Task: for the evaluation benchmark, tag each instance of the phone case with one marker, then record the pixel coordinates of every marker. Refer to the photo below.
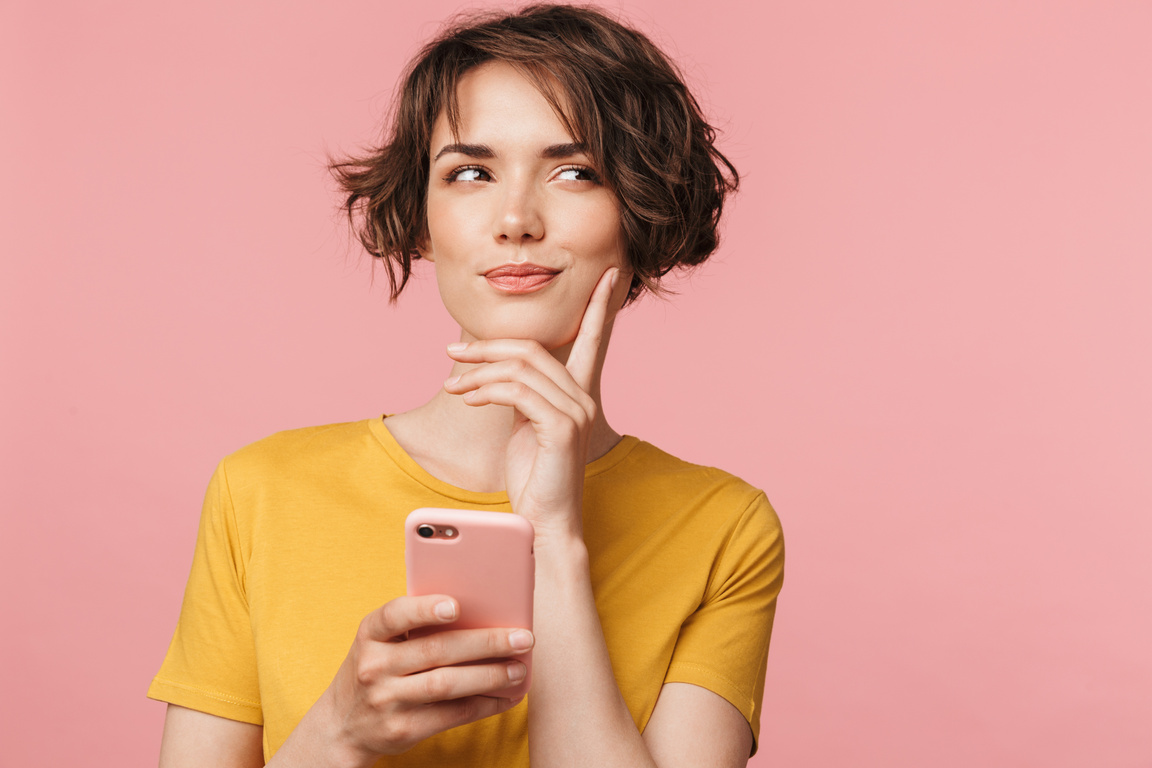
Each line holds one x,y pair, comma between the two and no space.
488,566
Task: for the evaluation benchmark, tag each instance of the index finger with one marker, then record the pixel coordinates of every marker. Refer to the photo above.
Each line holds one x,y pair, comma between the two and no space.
586,347
396,617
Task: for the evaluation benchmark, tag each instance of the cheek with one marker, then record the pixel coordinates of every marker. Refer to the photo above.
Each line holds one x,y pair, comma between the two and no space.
451,225
436,230
596,235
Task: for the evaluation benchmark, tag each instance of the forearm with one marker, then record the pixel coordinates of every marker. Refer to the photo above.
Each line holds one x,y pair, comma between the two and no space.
576,714
315,743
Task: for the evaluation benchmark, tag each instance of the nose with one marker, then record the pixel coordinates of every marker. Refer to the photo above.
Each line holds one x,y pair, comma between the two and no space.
519,217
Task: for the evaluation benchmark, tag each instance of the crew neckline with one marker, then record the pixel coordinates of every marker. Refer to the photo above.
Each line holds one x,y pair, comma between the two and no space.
614,456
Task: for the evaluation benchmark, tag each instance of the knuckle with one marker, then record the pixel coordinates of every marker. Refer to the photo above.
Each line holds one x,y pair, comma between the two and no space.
589,406
437,685
468,710
367,673
427,612
496,644
364,631
379,697
389,615
569,429
397,730
432,650
580,420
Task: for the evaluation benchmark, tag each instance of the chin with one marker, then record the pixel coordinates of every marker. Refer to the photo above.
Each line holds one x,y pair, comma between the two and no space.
552,323
548,338
550,335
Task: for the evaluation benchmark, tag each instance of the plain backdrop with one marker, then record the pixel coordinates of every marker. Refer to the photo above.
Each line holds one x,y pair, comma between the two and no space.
927,335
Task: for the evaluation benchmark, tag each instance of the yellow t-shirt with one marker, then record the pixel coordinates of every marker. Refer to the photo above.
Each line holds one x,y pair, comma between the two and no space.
302,536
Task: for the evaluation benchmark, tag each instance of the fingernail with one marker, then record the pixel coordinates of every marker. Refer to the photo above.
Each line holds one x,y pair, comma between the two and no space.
445,610
516,671
457,346
521,639
615,278
452,381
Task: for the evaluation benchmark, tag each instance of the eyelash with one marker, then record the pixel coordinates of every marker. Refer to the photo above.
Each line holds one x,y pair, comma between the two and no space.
592,176
451,177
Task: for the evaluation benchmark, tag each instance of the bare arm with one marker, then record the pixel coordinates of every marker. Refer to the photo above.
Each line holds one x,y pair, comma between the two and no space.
387,696
195,739
692,726
390,695
576,714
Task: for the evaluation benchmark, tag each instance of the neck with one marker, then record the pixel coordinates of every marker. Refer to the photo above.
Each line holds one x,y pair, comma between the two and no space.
465,445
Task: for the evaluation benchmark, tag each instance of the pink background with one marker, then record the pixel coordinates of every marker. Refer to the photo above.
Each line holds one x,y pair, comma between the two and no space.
927,336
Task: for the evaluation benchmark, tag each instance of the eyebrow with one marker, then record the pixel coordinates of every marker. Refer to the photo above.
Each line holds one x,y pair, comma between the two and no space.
485,152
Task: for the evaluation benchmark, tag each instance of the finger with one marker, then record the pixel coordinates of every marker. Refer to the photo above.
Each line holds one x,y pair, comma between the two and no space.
456,646
570,398
551,424
447,683
586,347
396,617
496,350
436,718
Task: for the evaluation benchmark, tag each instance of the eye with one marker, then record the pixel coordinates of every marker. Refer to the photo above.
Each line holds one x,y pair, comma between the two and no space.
578,173
468,173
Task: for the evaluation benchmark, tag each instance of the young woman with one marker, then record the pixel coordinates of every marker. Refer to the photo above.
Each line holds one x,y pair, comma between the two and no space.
552,165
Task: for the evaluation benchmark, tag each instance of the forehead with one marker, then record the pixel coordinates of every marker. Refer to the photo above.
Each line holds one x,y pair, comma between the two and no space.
497,103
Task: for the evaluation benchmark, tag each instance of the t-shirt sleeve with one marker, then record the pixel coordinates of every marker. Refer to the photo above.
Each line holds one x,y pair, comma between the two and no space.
211,663
723,646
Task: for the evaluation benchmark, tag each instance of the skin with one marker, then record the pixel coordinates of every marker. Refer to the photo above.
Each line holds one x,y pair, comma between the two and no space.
524,394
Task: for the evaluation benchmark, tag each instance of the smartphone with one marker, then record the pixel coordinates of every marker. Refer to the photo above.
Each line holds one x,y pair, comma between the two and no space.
484,560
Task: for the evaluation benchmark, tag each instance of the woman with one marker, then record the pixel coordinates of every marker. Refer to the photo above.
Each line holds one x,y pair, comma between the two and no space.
552,165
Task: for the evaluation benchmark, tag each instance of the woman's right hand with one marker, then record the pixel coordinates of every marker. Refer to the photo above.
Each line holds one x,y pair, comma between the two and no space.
391,693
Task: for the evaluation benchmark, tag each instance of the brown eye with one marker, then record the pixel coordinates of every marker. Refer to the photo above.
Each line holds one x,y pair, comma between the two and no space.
470,173
578,173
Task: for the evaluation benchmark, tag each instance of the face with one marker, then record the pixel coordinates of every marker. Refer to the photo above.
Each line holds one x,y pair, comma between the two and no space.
520,227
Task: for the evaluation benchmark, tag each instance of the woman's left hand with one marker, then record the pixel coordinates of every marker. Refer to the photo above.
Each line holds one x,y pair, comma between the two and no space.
555,413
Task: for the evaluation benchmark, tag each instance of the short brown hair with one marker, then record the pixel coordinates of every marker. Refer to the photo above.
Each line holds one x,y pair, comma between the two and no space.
615,92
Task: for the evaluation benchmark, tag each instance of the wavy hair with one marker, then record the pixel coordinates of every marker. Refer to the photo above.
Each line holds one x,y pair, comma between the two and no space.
615,92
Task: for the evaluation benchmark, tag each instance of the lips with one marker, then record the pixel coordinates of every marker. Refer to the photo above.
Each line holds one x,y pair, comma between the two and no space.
520,278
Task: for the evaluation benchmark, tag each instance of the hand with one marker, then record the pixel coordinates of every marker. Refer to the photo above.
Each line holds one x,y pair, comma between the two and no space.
544,466
391,693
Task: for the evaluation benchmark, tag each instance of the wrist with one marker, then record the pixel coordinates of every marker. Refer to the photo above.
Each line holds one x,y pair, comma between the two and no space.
560,553
558,528
320,739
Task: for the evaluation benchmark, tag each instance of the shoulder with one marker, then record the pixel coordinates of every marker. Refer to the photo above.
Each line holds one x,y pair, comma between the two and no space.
718,521
292,451
291,479
648,492
650,470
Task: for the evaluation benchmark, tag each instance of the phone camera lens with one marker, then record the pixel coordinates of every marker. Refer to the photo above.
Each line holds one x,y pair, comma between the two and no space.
425,531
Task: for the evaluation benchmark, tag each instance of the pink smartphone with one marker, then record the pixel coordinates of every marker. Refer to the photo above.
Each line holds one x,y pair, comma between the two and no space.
484,560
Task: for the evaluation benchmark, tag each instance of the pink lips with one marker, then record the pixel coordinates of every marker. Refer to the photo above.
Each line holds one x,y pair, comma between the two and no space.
520,278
